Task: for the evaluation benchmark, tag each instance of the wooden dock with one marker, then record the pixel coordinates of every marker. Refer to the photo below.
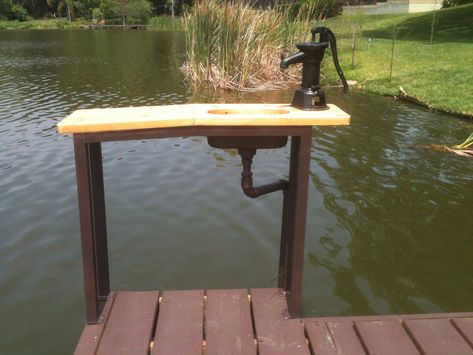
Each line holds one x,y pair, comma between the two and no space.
117,27
257,321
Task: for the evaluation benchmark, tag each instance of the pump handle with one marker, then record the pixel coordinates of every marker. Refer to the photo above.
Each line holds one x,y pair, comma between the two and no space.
326,35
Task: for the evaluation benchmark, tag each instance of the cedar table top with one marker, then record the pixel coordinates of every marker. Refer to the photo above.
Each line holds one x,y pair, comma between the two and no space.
150,117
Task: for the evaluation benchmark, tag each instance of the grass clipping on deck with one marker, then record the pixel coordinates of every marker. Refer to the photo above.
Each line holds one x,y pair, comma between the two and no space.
231,45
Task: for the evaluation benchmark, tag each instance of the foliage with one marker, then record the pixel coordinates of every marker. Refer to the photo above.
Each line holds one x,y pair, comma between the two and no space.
12,11
42,24
18,12
317,9
166,23
34,8
108,8
132,10
97,14
138,11
85,7
161,7
452,3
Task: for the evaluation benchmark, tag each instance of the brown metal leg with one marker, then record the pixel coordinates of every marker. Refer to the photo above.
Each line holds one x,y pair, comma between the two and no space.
294,222
100,225
284,240
92,222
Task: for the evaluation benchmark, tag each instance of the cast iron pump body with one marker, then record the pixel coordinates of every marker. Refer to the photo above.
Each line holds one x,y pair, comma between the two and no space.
310,96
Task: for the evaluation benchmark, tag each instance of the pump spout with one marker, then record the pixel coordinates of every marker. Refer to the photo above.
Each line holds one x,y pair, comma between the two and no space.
292,59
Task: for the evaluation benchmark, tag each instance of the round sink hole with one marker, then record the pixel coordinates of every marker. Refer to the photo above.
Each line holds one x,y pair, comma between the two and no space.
248,112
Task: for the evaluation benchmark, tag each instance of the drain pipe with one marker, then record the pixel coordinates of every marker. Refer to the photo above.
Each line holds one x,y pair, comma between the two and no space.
247,177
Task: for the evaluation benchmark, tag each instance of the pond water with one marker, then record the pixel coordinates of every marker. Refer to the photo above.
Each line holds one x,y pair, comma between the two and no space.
390,226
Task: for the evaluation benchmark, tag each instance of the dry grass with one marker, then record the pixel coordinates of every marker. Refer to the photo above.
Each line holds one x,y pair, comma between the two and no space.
234,46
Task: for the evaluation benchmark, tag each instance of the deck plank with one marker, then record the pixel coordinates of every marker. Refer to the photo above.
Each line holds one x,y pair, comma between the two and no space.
392,317
438,337
179,330
228,325
92,333
465,326
385,337
130,324
275,332
334,338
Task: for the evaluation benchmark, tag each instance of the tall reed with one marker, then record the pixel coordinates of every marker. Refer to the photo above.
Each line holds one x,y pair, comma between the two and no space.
232,45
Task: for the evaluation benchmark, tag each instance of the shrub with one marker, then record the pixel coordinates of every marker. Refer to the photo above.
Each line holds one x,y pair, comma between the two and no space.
12,11
452,3
18,13
108,9
85,7
97,14
139,11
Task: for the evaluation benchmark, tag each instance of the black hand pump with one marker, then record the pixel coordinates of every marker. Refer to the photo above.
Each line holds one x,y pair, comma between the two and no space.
310,95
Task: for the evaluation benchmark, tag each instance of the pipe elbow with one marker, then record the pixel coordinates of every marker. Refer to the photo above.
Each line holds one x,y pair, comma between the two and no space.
247,177
254,192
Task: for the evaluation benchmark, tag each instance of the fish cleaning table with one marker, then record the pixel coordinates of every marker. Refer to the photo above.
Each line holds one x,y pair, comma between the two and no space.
247,127
242,321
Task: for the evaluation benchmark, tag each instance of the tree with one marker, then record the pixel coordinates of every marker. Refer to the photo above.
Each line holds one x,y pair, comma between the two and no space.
108,8
12,11
60,5
121,4
167,7
139,10
34,8
136,10
171,5
85,7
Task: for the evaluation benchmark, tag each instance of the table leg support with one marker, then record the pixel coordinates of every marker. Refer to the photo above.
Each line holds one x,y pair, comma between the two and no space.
291,261
93,226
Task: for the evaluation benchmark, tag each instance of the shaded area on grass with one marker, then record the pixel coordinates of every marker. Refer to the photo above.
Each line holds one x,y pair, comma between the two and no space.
451,25
438,74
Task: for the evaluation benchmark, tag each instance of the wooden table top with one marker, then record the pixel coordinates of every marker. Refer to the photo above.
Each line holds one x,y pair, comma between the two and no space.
148,117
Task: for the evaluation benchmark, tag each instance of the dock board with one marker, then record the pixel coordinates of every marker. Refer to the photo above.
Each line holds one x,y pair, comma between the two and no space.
256,321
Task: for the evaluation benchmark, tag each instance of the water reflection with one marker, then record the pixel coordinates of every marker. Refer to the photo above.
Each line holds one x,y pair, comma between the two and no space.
396,204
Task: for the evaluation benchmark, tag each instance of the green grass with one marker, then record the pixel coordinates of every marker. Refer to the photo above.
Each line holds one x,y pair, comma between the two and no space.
166,23
41,24
162,23
438,74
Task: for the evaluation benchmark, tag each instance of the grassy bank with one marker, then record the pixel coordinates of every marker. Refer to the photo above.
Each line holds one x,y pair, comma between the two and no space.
230,47
160,23
438,74
42,24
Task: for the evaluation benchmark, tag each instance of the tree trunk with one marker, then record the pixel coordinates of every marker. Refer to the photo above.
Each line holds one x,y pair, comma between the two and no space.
68,12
